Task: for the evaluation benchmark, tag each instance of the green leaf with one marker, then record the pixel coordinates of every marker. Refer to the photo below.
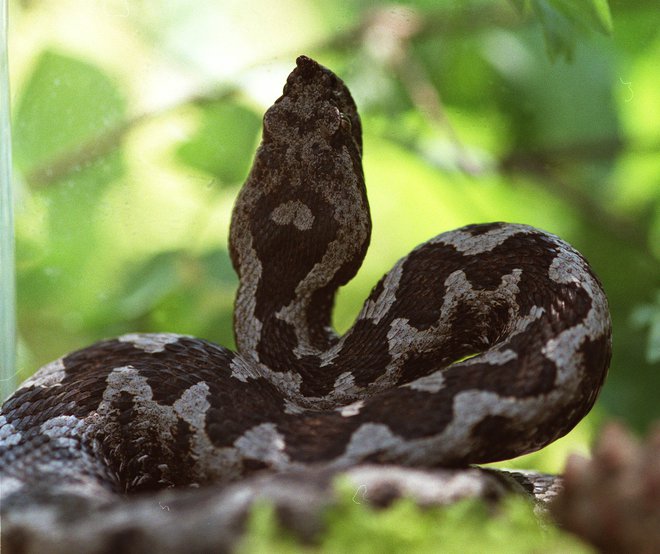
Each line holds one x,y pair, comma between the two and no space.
224,144
594,14
217,265
148,283
520,5
65,103
563,20
648,315
558,31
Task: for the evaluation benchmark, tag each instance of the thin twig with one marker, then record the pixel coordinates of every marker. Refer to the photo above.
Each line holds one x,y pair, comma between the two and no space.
83,154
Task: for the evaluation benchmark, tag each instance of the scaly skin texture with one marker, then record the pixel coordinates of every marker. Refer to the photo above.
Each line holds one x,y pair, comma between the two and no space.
145,412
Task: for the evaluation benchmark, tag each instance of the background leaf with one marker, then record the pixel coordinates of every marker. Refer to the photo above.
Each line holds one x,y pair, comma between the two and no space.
564,22
224,143
591,13
64,103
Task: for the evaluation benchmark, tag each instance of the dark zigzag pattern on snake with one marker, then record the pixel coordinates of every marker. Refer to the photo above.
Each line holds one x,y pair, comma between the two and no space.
148,411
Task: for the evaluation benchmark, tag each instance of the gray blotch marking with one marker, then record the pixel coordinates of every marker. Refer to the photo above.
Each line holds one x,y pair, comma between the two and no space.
9,436
344,382
68,461
432,383
288,382
247,325
150,342
244,370
378,308
49,375
65,431
351,409
563,351
368,439
263,442
128,379
344,391
352,232
292,408
215,464
402,336
492,357
535,312
193,405
455,440
293,212
472,406
446,487
466,243
10,485
569,267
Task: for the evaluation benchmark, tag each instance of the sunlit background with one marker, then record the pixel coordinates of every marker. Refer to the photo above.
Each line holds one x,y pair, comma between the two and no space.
135,123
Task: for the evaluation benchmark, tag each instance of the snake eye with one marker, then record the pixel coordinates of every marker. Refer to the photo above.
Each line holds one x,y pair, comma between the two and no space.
345,122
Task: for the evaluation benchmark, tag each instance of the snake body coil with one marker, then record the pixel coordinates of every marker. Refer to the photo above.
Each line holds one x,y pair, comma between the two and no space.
483,343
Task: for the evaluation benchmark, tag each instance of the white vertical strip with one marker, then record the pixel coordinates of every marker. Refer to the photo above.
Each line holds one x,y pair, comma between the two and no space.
7,277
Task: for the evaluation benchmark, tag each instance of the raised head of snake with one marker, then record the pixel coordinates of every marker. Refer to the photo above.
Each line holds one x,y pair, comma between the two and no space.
301,223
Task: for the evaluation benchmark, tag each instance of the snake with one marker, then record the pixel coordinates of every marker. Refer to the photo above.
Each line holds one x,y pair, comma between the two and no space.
483,343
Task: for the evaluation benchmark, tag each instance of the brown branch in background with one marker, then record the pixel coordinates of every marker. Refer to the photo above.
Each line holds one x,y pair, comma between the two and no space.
388,38
603,149
61,166
447,22
427,100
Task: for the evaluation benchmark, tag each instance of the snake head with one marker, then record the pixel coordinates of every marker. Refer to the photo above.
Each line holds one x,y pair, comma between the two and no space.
314,100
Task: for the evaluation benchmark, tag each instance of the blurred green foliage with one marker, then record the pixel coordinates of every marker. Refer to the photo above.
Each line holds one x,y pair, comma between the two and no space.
134,125
468,527
561,20
224,143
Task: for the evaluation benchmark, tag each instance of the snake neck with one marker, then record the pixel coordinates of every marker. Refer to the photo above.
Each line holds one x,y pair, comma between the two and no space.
301,224
293,245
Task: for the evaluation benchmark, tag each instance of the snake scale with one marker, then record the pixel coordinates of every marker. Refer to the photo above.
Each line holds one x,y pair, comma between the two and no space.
483,343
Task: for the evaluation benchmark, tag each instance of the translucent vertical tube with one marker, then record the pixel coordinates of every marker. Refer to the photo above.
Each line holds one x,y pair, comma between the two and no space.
7,279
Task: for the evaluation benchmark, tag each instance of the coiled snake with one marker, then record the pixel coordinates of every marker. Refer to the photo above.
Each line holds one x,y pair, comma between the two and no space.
483,343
